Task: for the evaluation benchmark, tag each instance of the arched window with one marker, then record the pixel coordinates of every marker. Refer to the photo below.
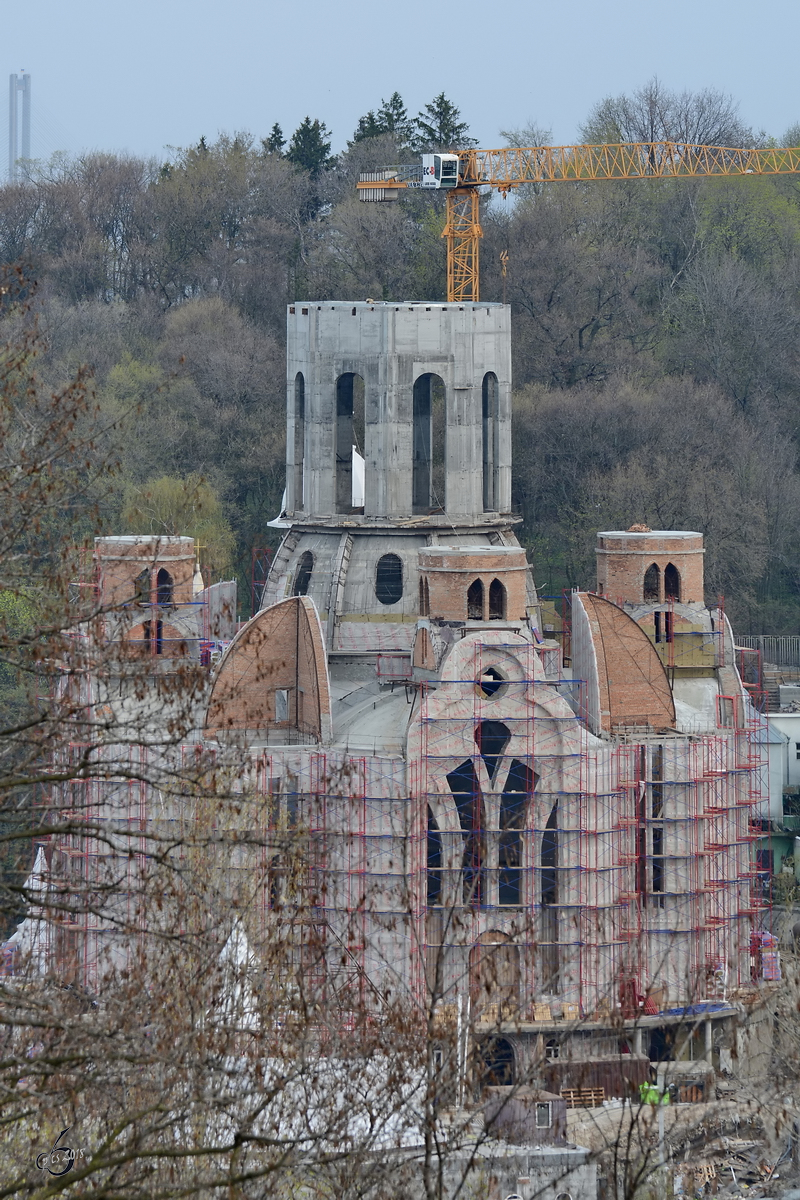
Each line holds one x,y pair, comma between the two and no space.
434,861
491,738
652,583
427,599
463,783
672,582
142,587
513,807
299,439
497,601
164,588
491,434
548,881
424,600
475,601
302,577
389,579
349,435
427,486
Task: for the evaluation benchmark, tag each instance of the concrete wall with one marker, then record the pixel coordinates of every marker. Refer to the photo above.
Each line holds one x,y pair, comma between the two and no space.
390,347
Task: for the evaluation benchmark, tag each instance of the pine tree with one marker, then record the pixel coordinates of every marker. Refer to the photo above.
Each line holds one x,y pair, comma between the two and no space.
393,118
275,142
438,127
309,149
368,126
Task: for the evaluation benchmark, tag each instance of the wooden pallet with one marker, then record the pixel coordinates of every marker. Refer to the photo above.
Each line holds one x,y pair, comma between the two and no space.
584,1097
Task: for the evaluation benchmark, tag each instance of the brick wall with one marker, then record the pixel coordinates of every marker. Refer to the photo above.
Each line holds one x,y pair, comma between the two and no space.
623,559
447,574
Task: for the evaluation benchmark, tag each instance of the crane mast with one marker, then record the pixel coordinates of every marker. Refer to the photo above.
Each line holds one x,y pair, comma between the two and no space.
463,173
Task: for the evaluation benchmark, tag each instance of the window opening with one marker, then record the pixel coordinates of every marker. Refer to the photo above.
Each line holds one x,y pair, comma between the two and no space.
552,1050
282,704
299,440
427,598
672,582
463,784
657,810
669,626
349,434
491,436
389,579
164,588
652,582
549,858
302,579
142,587
495,1063
548,875
497,601
490,682
428,444
797,751
434,861
543,1118
491,738
657,623
513,807
475,601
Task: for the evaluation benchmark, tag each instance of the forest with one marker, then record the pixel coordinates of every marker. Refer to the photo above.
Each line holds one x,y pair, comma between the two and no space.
655,330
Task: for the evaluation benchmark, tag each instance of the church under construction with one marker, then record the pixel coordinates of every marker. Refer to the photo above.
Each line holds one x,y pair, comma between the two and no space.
548,829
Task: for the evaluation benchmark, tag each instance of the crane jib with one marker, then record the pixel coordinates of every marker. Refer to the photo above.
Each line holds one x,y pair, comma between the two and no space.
462,173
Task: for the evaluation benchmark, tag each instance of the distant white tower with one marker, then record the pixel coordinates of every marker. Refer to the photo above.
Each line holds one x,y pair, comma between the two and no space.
17,84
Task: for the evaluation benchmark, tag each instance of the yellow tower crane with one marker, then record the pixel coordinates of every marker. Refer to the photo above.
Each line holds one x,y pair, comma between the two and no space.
464,172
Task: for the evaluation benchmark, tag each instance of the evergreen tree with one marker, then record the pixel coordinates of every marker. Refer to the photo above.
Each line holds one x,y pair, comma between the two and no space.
438,127
393,118
368,126
275,142
309,148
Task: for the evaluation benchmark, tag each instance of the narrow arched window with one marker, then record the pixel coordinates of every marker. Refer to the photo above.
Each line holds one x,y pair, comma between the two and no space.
350,433
389,579
302,579
428,439
299,439
513,804
434,861
427,598
672,582
142,587
491,434
475,601
497,601
652,583
164,588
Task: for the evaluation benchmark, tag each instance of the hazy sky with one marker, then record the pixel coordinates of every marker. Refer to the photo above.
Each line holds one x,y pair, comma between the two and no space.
142,76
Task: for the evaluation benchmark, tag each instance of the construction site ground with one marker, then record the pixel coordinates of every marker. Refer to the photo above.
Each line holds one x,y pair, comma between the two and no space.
738,1145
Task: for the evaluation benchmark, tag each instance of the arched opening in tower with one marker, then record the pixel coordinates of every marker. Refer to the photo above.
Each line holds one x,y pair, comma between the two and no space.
475,601
491,437
299,440
349,435
428,444
652,583
672,582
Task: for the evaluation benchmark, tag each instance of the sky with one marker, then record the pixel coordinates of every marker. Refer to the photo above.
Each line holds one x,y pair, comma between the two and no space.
140,78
